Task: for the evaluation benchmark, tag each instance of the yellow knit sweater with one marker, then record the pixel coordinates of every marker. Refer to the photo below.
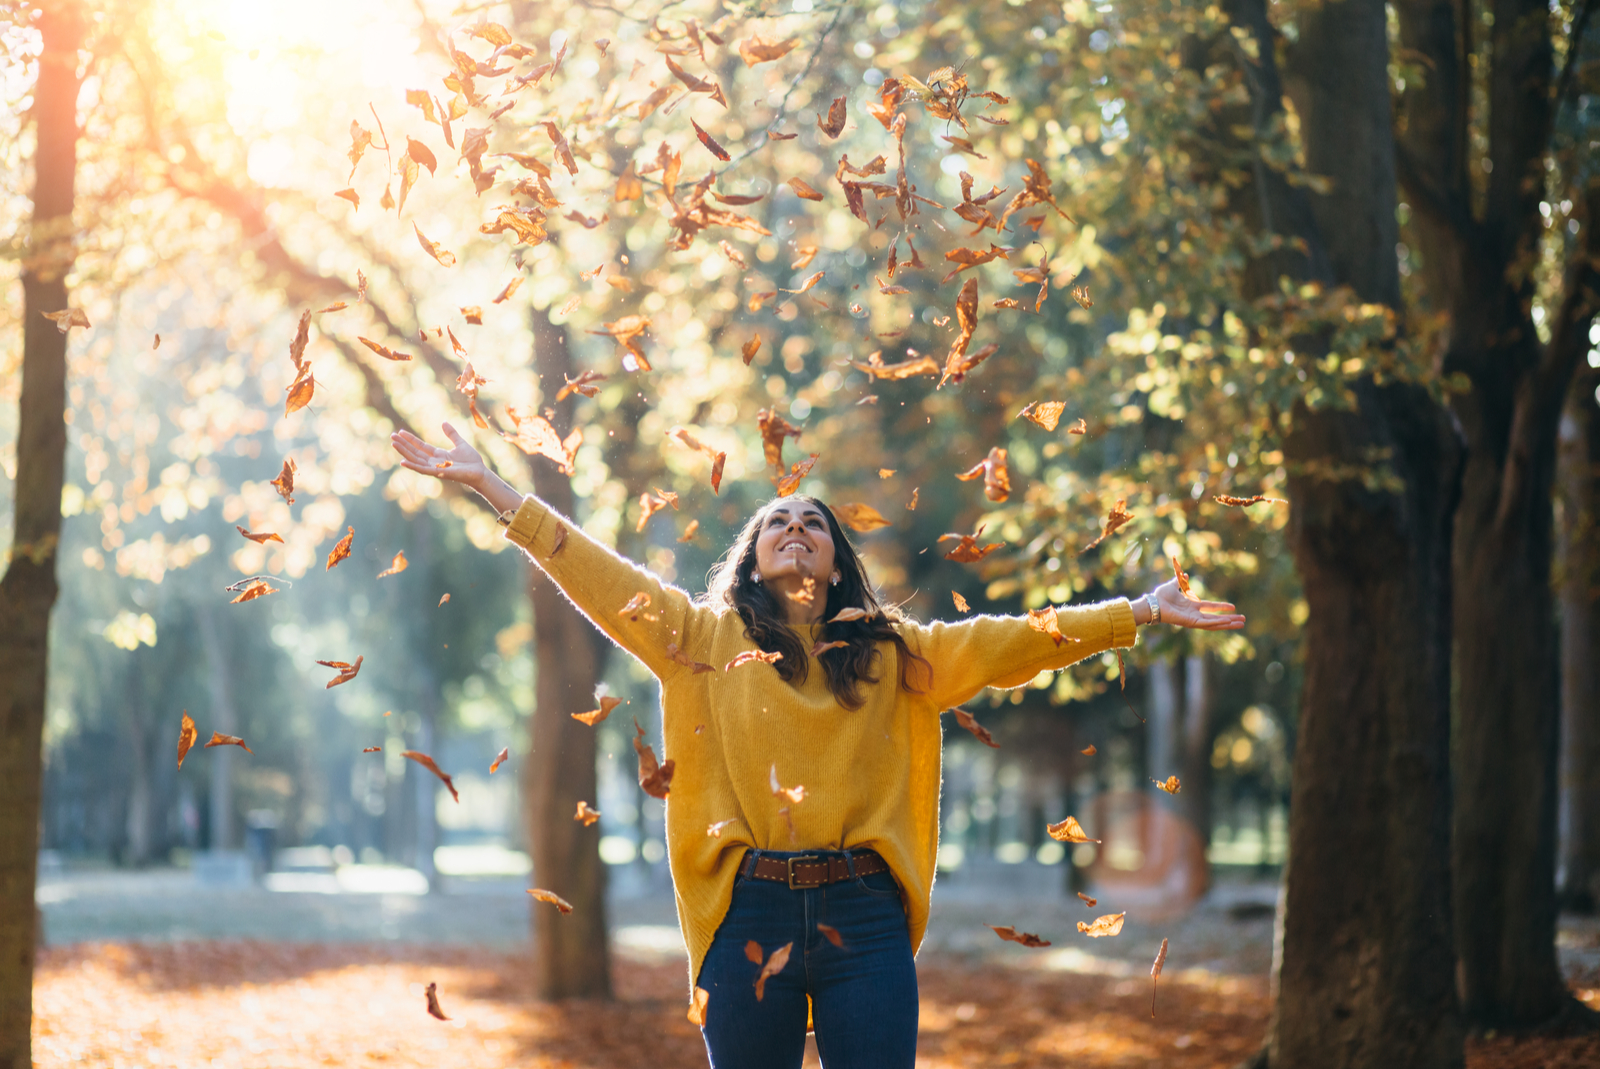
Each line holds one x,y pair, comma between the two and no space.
871,774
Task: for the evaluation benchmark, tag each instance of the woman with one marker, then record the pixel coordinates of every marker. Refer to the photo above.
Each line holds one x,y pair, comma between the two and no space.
842,871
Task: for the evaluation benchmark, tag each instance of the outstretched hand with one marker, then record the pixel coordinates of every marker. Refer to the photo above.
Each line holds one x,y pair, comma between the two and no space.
1181,610
460,464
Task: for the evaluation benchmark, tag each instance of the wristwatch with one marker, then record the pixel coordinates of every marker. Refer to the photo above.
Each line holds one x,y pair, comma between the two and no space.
1155,608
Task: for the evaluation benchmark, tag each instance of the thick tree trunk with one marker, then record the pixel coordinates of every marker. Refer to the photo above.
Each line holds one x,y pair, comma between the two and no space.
28,588
571,951
1579,556
1199,731
224,718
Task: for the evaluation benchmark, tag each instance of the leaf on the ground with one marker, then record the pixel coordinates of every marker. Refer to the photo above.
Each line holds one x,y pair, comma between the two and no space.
752,656
773,967
794,795
284,483
1088,902
219,739
427,762
1155,974
552,898
710,142
1011,935
961,602
434,1009
1117,518
859,517
966,550
655,779
995,472
979,732
347,670
258,536
1046,414
1069,831
802,190
341,549
594,716
187,734
831,934
396,566
499,759
1170,784
757,49
1110,924
697,1007
383,350
585,815
789,483
833,125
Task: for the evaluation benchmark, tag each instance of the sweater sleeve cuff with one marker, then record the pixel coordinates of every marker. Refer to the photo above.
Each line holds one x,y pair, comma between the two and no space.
528,523
1124,632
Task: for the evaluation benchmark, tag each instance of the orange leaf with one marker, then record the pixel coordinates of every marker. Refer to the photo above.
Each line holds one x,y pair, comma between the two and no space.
1243,502
284,483
583,384
442,601
757,49
654,779
697,1007
1117,518
341,550
563,150
773,967
710,142
1010,934
1046,414
299,391
396,566
967,550
1155,974
586,815
1089,750
1087,901
1110,924
186,737
996,475
427,762
808,283
859,517
219,739
831,934
594,716
347,670
1170,784
961,602
690,531
791,482
803,191
552,898
979,732
383,350
251,589
1069,831
433,1003
847,615
833,125
920,364
752,656
749,349
1080,427
259,537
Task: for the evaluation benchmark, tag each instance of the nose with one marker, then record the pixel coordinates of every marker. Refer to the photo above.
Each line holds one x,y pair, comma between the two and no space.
795,526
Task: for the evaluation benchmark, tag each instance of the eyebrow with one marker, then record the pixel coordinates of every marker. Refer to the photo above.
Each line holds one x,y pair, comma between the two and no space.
810,512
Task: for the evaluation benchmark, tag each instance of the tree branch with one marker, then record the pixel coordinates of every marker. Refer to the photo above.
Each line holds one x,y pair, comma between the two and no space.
1574,46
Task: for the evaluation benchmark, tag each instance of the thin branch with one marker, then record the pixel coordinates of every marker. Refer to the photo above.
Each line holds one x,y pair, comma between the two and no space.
783,105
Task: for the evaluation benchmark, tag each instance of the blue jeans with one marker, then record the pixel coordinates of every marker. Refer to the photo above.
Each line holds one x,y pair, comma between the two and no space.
863,995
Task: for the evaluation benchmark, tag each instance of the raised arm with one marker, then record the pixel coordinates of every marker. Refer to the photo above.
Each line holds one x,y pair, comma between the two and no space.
597,580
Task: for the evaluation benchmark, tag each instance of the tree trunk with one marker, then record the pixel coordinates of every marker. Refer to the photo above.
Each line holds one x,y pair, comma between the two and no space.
1579,557
1163,731
28,588
138,820
1199,731
571,952
225,718
1364,979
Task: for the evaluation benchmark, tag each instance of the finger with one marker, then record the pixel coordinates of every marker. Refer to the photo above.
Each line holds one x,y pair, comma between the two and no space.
420,469
451,433
1214,606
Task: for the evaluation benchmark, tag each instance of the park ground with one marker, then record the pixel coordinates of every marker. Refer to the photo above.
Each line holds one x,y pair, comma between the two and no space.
153,970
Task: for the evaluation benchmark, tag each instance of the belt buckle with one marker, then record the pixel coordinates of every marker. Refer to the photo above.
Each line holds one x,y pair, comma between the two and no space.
813,860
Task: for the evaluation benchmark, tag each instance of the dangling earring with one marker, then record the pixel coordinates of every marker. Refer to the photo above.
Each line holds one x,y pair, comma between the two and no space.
835,580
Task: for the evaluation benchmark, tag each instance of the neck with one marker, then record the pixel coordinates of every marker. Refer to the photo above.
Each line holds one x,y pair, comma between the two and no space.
796,612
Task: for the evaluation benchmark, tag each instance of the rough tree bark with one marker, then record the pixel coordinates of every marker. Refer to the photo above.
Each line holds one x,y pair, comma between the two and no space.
1366,936
571,952
1579,557
28,588
1479,270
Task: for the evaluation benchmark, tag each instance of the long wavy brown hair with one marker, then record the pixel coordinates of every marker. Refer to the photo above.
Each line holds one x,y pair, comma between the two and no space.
848,666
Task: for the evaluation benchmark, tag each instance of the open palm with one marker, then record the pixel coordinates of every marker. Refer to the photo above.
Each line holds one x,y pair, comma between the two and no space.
460,464
1181,610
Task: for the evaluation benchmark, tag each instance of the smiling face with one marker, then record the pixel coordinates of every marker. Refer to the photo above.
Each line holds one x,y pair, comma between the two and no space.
794,541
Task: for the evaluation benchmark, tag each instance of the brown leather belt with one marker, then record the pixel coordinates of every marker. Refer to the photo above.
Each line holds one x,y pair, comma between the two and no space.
803,873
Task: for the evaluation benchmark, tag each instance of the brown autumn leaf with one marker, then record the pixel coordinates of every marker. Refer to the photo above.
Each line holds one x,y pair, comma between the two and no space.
635,607
552,898
961,602
1087,901
1245,502
442,601
739,200
186,737
831,934
558,540
1155,974
563,150
409,173
802,190
594,716
284,483
302,338
350,195
1046,414
1080,427
833,125
372,749
536,437
690,531
789,483
347,670
716,472
1089,750
759,299
697,1007
794,795
753,952
499,759
341,549
911,506
773,429
757,49
383,350
396,566
773,967
1117,518
859,517
1045,620
1183,579
1007,302
473,314
251,589
1081,295
884,473
959,362
1110,924
584,384
820,647
996,475
1069,831
967,550
434,249
258,537
1010,934
300,390
1170,784
510,288
629,187
919,364
219,739
852,613
427,762
68,318
979,732
803,257
434,1009
808,283
649,505
749,349
625,332
654,779
586,816
751,656
710,142
966,258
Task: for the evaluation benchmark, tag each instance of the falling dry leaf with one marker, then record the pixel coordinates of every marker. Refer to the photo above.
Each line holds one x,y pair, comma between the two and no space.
1110,924
654,779
710,142
757,49
996,475
433,1003
68,318
284,483
919,364
749,349
346,669
499,759
427,762
1244,502
219,739
802,190
833,125
690,531
511,288
1170,784
594,716
1115,519
1087,901
372,749
1010,934
1155,974
583,384
636,606
585,815
186,737
808,283
884,473
341,550
1089,750
979,732
831,934
697,1007
1069,831
300,391
846,615
383,350
1046,414
789,483
473,314
794,795
443,600
1045,620
1182,577
715,830
1080,427
967,550
552,898
859,517
773,967
751,656
961,602
396,566
251,589
911,506
1081,295
820,647
258,536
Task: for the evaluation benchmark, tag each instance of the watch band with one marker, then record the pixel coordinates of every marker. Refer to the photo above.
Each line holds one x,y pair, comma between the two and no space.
1155,608
505,518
